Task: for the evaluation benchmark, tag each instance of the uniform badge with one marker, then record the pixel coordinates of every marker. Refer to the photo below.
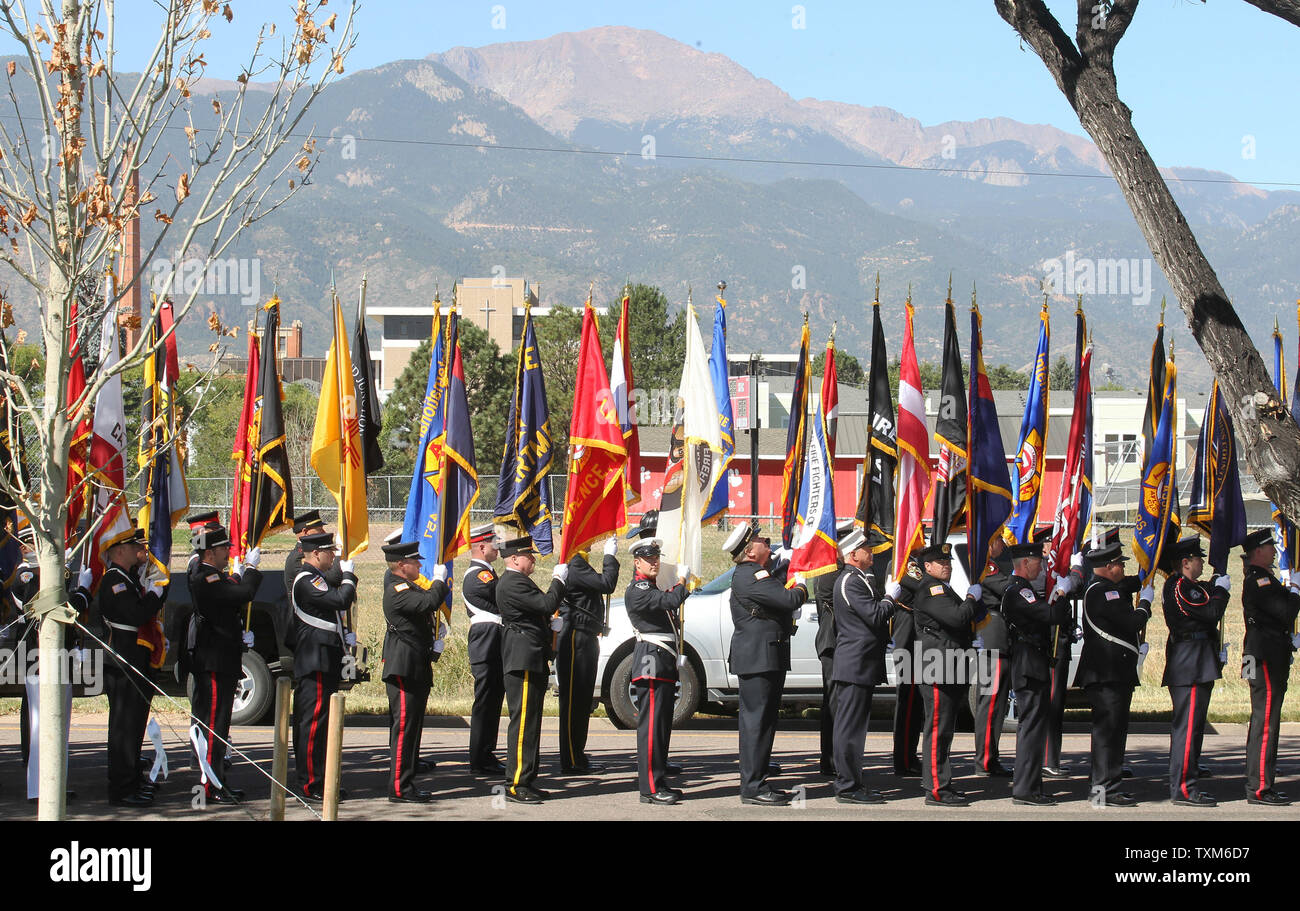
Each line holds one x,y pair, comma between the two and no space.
761,574
212,577
119,588
485,575
401,587
1030,597
25,577
643,585
1112,596
1263,580
936,589
320,584
913,571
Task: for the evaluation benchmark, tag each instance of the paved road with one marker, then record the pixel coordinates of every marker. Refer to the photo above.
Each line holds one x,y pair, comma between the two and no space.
707,750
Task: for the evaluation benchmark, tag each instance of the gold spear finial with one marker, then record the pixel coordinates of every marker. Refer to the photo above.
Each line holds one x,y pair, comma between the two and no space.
878,288
949,287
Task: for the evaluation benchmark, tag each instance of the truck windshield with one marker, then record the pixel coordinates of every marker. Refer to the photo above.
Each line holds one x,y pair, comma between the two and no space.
721,584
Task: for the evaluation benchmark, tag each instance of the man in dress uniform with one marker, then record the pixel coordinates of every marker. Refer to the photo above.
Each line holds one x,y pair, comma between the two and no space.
995,643
217,640
125,605
321,640
861,635
309,523
908,714
1193,662
654,617
1108,666
824,592
943,622
479,592
525,656
583,613
410,612
1032,621
763,613
1270,607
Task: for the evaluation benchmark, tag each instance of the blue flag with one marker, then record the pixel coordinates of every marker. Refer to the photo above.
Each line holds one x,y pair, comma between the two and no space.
524,488
1217,508
423,505
988,483
1032,445
460,475
1156,504
721,497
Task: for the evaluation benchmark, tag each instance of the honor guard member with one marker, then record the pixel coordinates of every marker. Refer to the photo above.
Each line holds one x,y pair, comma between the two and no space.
309,523
1108,666
654,616
1193,661
943,623
824,593
908,714
1032,621
995,643
861,634
195,523
217,641
763,613
1060,670
525,655
410,612
583,613
320,641
479,592
1270,607
125,605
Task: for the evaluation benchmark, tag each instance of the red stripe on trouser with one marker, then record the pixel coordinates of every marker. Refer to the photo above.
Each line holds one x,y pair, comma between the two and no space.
993,704
934,745
212,722
401,738
311,736
1187,746
1263,743
650,747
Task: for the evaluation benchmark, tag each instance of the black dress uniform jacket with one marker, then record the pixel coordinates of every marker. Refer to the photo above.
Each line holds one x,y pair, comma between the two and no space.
479,589
653,611
1270,609
526,614
943,620
1031,618
1109,615
1192,611
219,602
584,590
861,629
122,599
994,632
824,588
761,611
409,611
320,650
293,566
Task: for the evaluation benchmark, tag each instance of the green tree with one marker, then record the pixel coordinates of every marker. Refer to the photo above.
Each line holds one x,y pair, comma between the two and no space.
1004,377
847,368
1062,379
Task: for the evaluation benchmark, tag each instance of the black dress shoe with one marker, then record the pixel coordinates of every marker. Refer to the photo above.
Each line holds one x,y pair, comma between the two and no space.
415,795
131,800
1204,772
1269,799
225,795
1034,800
773,768
319,796
1126,773
1055,772
826,771
909,772
997,771
1122,799
524,794
767,799
498,769
859,796
663,798
424,766
947,800
587,769
1200,799
671,769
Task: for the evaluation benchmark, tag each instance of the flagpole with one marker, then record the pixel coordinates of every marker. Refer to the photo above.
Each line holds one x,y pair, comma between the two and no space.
344,616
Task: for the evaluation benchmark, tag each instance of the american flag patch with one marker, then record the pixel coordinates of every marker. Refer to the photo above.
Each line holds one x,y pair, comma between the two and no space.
401,587
761,574
936,589
1263,580
213,577
1112,596
119,588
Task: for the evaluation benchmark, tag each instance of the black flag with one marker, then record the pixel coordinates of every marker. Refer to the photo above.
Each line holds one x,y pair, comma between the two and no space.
950,432
875,513
272,488
369,418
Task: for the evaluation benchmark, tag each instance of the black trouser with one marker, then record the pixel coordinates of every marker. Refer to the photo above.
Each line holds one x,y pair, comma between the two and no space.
575,670
827,718
991,710
128,716
214,700
909,720
1110,707
852,713
655,698
524,692
406,704
1190,703
760,702
311,714
1051,754
941,702
1033,708
485,716
1266,694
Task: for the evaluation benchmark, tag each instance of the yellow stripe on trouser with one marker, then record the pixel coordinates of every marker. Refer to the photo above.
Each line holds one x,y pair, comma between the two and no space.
523,726
568,721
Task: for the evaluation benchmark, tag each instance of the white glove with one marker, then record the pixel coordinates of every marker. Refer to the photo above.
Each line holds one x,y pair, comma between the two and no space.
557,623
236,568
560,573
156,589
1063,587
796,614
683,572
440,572
349,638
1223,654
1224,582
253,557
782,553
893,590
611,546
976,591
248,638
1142,655
800,580
442,630
438,646
1076,560
347,566
1295,641
1295,578
1148,594
84,578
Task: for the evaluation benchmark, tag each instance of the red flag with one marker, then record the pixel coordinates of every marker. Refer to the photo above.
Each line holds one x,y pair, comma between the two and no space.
593,504
830,400
77,495
913,453
245,443
1076,485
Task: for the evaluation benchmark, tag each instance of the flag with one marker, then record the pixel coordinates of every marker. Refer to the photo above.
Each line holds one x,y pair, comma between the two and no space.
460,475
78,493
1216,506
815,548
1032,445
10,465
524,488
423,505
1286,536
796,444
913,453
950,434
336,442
594,506
1075,499
369,416
682,513
1151,416
166,498
621,385
875,512
720,498
107,445
830,401
1155,523
1084,492
245,454
270,486
988,483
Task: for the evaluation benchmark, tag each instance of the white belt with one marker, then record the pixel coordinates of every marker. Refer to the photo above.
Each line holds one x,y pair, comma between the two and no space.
479,615
317,621
1107,636
122,626
665,641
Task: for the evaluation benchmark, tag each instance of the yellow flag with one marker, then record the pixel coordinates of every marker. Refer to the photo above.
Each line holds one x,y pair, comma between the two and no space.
336,442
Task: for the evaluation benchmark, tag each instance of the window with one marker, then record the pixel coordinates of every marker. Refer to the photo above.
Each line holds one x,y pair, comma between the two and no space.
1121,447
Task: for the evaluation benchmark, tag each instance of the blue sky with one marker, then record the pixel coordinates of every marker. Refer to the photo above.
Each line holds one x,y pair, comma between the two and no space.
1199,77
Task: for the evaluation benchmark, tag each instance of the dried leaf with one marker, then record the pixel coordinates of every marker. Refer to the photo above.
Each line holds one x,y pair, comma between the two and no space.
39,34
11,67
226,12
304,164
158,215
213,347
30,215
191,133
183,186
216,107
129,321
214,323
338,64
291,183
233,332
329,23
97,69
6,315
242,78
20,337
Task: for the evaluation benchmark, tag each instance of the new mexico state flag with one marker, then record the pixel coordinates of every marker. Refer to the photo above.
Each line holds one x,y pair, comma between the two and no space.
336,443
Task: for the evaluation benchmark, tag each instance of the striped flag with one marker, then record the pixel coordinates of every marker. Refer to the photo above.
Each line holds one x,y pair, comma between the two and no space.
796,443
107,445
815,549
913,453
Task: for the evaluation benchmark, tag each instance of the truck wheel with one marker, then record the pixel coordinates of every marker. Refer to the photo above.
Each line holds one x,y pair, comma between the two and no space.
622,710
688,695
255,691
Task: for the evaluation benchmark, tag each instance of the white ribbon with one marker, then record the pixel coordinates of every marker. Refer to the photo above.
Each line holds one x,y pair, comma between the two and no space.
154,733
